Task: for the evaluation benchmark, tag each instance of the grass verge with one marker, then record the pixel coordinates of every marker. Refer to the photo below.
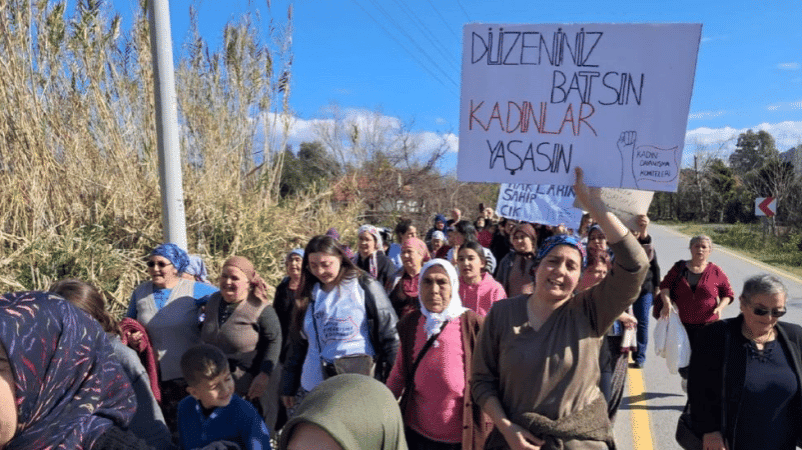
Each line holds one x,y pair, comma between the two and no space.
748,239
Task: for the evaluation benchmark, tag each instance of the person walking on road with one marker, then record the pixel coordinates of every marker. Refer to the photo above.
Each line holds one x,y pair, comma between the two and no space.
642,306
699,289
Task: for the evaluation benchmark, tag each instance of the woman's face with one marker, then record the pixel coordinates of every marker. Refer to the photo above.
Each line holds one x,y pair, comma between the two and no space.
760,325
162,272
455,239
325,267
367,244
522,243
436,244
470,264
558,273
412,232
701,249
412,260
293,266
435,289
597,241
307,436
8,403
234,286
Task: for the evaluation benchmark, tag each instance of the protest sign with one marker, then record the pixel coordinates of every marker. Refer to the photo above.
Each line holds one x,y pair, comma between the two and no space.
627,204
549,205
539,100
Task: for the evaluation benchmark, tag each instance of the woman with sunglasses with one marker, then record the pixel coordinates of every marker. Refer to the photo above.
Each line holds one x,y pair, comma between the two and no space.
758,403
169,306
699,289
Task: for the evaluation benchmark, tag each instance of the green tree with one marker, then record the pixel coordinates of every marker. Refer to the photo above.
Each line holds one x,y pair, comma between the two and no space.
752,151
313,165
317,162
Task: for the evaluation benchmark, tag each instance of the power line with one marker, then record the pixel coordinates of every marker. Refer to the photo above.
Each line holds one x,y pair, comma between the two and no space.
421,51
463,11
443,19
435,42
401,44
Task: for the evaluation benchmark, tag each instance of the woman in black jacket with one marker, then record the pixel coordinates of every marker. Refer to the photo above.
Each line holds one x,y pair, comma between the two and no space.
758,403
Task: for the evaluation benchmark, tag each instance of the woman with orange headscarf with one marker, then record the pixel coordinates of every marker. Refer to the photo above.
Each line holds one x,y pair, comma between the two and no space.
242,323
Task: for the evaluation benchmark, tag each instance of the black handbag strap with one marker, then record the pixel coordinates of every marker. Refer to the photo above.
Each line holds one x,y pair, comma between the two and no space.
410,381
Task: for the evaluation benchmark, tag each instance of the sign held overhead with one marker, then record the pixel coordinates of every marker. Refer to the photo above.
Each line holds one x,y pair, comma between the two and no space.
539,100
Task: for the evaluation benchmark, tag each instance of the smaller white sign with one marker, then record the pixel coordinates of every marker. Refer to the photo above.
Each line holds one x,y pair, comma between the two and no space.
627,204
538,203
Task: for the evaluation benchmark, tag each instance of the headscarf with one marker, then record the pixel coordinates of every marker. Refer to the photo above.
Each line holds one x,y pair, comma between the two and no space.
257,284
197,268
357,411
373,231
454,309
560,239
440,218
438,235
296,251
596,227
177,256
69,389
333,233
417,244
529,231
411,286
373,265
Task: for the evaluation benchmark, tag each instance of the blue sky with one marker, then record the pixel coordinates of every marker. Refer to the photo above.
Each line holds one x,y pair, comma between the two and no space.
402,57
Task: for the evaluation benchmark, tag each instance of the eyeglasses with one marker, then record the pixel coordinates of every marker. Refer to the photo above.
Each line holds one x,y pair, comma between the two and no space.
773,312
161,264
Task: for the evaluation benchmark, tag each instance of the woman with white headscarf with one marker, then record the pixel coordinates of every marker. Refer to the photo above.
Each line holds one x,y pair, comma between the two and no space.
434,364
370,255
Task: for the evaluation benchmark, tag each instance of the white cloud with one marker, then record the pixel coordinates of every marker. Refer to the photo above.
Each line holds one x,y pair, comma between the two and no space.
307,130
786,135
789,66
784,106
707,39
717,141
706,114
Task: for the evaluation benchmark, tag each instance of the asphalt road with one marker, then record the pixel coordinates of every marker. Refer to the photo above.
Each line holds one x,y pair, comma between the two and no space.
654,398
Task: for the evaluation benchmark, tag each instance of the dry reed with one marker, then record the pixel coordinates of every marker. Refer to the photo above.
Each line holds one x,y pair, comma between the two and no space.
79,193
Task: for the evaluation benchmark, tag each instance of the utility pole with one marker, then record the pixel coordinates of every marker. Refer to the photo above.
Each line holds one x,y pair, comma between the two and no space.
170,178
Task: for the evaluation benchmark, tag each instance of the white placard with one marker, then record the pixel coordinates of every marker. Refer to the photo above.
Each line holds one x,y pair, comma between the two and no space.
549,205
627,204
539,100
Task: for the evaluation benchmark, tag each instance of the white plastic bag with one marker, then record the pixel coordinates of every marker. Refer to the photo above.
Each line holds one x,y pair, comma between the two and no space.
660,332
678,347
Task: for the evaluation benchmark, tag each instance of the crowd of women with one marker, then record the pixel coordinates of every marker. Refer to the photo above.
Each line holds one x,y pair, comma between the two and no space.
485,335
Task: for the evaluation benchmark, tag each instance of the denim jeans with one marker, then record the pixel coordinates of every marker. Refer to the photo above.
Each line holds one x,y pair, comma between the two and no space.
641,309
